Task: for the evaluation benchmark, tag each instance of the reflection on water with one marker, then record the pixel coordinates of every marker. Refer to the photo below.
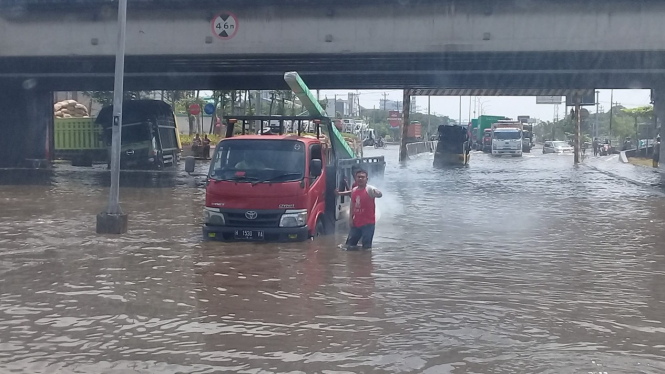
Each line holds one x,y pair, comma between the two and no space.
508,266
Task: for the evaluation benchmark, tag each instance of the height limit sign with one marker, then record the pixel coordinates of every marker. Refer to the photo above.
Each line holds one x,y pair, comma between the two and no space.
225,25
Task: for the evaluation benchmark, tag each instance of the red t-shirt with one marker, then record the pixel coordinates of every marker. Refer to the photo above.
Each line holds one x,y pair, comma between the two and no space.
363,208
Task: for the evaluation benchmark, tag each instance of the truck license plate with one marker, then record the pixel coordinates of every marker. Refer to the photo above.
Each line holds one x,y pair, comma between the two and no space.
249,235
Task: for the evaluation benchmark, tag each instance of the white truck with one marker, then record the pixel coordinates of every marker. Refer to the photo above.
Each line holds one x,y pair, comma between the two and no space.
507,138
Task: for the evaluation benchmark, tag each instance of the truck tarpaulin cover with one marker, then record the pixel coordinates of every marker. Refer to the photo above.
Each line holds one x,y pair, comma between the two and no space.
135,111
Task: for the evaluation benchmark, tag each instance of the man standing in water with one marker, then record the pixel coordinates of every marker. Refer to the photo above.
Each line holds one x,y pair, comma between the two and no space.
363,212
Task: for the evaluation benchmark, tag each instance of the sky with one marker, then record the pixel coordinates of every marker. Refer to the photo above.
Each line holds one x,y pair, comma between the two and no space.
508,106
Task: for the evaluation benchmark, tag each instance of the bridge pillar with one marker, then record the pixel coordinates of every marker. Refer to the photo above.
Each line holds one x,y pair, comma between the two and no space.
658,99
26,122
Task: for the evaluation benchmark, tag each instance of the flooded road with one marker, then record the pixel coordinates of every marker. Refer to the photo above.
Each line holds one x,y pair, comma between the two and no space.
509,266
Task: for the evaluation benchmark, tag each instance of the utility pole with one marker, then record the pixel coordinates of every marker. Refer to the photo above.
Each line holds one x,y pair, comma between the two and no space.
335,107
578,126
595,125
611,111
429,119
460,110
385,96
113,221
403,156
470,118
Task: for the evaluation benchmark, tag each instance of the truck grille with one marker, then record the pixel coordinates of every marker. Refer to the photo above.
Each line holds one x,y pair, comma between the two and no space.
262,219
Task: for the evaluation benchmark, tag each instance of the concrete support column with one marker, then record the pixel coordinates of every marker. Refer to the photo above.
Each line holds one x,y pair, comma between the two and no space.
39,126
12,122
26,126
658,98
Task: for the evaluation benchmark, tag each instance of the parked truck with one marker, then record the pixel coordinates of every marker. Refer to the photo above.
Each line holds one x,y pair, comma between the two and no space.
507,138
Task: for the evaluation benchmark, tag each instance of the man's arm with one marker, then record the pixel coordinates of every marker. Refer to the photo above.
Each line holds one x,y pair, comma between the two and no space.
343,193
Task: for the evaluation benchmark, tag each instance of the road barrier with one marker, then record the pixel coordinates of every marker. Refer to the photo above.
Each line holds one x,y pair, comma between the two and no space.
413,149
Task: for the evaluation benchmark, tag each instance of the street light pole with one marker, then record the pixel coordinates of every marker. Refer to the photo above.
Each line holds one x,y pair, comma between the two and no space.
113,221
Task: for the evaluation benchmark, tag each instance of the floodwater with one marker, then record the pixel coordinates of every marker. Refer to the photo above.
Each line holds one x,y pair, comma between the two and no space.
508,266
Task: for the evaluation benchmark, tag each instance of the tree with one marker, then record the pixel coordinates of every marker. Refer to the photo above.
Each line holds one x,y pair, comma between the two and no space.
105,98
644,112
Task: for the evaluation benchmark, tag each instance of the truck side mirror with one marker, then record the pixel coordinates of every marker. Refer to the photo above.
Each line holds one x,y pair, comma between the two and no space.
190,163
315,167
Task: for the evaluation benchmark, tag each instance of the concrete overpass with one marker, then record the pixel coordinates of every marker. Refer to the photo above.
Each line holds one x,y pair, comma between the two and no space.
452,44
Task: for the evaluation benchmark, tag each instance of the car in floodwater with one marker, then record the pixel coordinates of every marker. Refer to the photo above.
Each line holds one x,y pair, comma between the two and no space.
557,147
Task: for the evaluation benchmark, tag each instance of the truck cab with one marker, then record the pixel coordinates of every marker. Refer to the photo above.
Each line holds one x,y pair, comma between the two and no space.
150,138
276,187
507,139
527,138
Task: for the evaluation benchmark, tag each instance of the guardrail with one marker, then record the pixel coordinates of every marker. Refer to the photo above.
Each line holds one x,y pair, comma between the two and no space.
413,149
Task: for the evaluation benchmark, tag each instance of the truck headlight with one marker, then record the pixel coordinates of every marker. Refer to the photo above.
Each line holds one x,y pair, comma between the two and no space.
213,217
293,218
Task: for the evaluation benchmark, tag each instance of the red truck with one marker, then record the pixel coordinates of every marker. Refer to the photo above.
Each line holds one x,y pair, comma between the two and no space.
487,141
413,132
276,186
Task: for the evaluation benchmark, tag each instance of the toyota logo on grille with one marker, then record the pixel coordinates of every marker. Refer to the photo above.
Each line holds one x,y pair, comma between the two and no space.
250,214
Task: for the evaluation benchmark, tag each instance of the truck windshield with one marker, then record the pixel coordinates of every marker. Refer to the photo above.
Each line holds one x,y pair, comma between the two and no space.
131,133
507,135
258,160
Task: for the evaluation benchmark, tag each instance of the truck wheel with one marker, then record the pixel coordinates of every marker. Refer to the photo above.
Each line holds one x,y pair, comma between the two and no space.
319,230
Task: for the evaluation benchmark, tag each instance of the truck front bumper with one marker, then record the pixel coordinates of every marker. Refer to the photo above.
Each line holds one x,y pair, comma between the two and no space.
501,152
270,234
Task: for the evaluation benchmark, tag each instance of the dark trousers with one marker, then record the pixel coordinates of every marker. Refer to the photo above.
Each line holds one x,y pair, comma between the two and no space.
366,233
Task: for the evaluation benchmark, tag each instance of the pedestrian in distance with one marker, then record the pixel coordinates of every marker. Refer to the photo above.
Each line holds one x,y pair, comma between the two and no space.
656,152
206,147
363,212
595,146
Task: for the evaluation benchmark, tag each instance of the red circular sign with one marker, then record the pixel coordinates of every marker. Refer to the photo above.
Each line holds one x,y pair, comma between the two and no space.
225,25
195,109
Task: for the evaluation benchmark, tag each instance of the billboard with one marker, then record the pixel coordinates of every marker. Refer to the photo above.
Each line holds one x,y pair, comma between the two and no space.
548,100
394,118
523,119
589,99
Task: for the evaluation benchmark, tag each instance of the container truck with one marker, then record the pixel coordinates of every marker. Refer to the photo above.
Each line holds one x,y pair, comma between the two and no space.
485,122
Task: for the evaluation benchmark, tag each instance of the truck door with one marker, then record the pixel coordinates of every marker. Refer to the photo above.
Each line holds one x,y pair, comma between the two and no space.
317,185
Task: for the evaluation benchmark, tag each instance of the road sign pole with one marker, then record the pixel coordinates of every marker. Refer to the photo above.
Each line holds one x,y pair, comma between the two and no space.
113,221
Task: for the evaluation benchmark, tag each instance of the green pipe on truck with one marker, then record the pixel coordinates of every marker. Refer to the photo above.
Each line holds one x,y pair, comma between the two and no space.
312,105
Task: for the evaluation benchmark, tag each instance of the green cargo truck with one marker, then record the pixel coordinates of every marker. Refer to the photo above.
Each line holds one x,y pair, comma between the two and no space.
79,140
484,123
